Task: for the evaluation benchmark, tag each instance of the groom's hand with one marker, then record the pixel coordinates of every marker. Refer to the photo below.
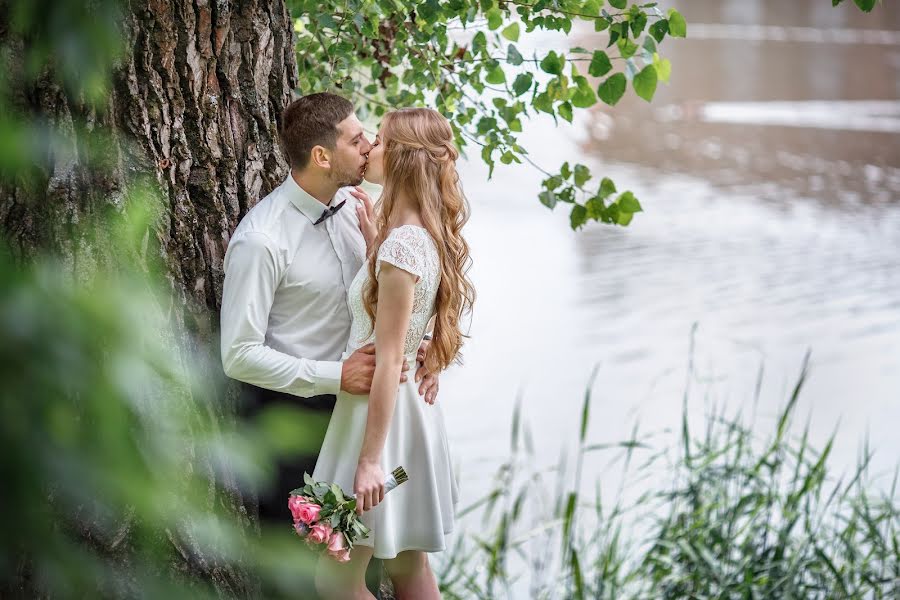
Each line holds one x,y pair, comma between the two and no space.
358,370
428,382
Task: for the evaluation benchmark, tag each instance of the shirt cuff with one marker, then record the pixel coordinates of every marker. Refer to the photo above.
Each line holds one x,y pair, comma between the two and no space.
327,379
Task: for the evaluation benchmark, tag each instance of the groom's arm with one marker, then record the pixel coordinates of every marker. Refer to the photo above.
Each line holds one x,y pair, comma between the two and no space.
252,273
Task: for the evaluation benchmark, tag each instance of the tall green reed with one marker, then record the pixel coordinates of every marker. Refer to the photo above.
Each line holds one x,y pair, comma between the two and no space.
723,512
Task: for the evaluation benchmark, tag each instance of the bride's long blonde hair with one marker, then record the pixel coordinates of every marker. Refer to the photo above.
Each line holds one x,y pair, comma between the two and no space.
420,162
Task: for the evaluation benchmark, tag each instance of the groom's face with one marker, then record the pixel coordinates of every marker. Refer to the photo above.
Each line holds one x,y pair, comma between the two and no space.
348,164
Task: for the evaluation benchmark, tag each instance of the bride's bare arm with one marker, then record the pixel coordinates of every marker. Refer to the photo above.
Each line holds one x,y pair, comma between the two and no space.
395,303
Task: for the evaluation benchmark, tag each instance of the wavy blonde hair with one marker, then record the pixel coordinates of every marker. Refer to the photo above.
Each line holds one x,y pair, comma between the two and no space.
420,162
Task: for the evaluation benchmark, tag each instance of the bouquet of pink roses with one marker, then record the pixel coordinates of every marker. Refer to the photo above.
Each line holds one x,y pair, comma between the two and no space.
325,516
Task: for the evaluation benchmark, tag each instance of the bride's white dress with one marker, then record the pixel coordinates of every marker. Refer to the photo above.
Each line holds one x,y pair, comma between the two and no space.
418,514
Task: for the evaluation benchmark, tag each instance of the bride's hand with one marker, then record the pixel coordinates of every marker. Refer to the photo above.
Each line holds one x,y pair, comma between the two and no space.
368,485
366,212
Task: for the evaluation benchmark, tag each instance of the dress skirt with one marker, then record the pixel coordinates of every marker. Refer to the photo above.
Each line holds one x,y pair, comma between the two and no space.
418,514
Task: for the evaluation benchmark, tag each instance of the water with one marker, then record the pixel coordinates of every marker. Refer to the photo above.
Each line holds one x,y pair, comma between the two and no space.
769,170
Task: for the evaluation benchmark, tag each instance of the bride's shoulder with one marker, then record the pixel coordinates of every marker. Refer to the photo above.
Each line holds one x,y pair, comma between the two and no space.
410,234
410,247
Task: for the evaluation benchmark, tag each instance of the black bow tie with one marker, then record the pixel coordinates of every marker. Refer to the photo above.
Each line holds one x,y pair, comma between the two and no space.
330,212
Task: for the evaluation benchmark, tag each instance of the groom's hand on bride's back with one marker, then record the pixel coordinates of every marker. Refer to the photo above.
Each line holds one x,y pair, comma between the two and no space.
428,388
358,370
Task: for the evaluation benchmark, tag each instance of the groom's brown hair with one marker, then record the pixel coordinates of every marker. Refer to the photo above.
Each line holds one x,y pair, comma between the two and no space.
311,121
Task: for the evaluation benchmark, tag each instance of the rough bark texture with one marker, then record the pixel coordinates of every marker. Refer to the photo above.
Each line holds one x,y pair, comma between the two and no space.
194,105
193,109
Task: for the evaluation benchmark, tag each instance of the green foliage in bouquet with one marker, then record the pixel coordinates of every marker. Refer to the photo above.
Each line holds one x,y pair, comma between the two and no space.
338,510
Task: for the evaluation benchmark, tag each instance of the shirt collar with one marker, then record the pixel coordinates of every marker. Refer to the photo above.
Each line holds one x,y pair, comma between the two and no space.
304,202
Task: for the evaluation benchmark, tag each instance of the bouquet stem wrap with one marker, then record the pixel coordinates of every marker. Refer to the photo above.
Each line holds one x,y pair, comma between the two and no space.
396,477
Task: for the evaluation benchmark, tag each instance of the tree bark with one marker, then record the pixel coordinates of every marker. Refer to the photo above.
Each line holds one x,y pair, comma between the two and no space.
193,110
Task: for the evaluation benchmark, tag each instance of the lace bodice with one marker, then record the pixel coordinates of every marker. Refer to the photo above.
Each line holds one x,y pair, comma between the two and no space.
412,249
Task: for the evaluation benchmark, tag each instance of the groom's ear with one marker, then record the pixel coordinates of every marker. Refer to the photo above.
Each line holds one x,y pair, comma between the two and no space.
320,156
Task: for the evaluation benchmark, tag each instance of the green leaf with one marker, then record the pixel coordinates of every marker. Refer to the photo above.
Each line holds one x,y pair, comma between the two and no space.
645,82
865,5
543,102
677,24
511,32
624,218
595,208
326,21
663,68
584,94
496,75
611,90
649,47
659,30
627,48
558,88
338,492
607,187
618,3
552,64
494,18
479,42
487,156
565,111
564,171
600,64
553,182
638,22
628,203
613,37
513,56
592,7
547,198
522,83
486,124
578,216
600,24
582,175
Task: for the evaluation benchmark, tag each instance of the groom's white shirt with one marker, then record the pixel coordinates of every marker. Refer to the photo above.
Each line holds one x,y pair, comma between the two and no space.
285,320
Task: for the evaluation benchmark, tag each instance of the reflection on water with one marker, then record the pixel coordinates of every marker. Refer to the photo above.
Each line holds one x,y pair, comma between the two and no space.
770,175
753,100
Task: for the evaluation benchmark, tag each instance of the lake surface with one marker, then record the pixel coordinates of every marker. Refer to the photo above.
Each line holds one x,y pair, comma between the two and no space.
769,171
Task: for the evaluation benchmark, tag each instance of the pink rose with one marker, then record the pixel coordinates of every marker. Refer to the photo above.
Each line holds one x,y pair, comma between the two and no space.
319,533
336,543
294,503
343,556
308,512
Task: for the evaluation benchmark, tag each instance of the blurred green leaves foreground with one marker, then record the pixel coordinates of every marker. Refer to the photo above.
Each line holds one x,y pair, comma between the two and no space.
121,470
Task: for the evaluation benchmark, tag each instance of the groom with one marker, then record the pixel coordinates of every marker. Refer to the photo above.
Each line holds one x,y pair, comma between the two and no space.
285,321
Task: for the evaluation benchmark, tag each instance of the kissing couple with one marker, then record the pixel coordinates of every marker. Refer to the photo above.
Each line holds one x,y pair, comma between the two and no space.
330,301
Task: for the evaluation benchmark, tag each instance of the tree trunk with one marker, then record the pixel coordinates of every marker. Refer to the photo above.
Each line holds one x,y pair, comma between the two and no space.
193,110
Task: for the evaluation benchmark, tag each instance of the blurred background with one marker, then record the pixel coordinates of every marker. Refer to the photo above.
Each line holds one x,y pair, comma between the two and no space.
769,172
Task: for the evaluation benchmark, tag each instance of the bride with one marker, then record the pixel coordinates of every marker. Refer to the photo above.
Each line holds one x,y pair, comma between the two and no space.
415,275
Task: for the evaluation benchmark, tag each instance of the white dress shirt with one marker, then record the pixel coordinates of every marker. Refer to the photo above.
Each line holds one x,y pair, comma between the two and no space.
285,320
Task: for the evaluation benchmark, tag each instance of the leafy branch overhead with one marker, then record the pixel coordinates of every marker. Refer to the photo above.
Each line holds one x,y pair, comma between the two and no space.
864,5
461,57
